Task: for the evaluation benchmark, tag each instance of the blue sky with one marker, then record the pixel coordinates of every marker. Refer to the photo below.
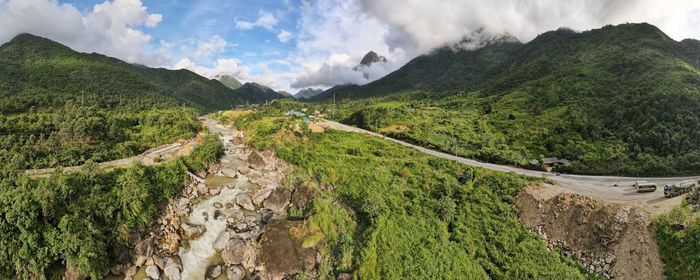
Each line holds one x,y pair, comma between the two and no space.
295,44
189,22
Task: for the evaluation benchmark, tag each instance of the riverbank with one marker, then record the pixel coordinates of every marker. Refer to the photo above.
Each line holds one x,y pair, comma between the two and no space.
215,228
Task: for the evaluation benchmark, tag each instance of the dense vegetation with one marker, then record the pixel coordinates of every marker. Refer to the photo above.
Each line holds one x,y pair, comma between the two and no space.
37,72
73,135
616,100
678,235
383,211
83,220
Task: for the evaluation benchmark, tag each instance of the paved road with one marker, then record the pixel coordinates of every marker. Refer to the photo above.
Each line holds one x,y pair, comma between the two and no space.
613,189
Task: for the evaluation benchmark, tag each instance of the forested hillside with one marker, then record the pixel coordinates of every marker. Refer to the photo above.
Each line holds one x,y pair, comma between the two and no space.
616,100
39,72
63,108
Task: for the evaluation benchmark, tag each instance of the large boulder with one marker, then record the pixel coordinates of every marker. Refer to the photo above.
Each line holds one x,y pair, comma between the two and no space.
278,200
153,272
221,240
245,201
235,272
193,231
213,272
235,252
256,161
260,195
173,267
202,189
142,251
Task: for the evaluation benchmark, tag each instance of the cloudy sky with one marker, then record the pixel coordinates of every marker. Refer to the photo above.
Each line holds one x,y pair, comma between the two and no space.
294,44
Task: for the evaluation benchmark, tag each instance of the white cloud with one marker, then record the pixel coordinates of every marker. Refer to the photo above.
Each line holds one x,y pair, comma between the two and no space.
214,45
223,66
334,35
265,20
284,36
446,21
153,20
110,28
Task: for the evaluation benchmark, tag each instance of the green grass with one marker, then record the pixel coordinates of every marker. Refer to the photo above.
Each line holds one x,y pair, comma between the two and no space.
389,212
679,247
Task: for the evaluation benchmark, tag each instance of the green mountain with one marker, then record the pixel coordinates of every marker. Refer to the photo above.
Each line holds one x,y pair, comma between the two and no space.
37,72
307,93
615,100
258,93
229,81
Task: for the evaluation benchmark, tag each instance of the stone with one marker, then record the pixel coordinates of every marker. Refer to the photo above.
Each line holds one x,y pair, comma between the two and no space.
159,261
261,195
255,160
229,205
245,201
193,231
202,189
243,169
153,272
172,242
228,172
235,272
172,273
217,214
234,252
117,269
221,240
278,200
131,271
214,191
218,205
344,276
183,203
213,272
144,249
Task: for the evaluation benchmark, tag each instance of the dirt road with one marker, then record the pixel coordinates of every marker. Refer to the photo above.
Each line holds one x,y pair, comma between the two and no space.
606,188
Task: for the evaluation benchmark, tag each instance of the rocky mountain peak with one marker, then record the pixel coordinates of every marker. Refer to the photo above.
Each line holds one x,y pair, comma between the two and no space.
371,58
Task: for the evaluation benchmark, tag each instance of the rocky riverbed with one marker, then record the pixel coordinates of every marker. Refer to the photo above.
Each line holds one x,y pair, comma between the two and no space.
213,229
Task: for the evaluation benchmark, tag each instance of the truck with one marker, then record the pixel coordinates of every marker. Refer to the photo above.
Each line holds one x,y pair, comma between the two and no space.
644,186
679,188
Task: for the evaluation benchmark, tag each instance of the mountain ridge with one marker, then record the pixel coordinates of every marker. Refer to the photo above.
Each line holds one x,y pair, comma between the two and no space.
37,71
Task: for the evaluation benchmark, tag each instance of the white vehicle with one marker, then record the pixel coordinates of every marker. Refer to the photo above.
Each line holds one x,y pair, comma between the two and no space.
644,186
679,188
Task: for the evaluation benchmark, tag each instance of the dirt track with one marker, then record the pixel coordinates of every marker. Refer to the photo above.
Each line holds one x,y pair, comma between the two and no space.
606,188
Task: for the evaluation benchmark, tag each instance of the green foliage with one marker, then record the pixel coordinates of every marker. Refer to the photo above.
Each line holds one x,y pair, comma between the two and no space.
389,212
37,72
616,100
84,219
72,135
679,247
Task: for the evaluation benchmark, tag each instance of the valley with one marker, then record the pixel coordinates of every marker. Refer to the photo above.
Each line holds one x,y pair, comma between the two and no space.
562,154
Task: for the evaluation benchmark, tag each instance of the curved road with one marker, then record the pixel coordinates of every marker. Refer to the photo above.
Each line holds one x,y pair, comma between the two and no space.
613,189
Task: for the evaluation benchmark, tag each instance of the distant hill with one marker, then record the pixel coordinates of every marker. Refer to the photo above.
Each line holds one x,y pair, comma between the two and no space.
616,100
307,93
38,72
229,81
257,93
286,94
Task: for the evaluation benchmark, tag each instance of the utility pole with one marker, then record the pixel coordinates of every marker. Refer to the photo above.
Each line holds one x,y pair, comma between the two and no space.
82,98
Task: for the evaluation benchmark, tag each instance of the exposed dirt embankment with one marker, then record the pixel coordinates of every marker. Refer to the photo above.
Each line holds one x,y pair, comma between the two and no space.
612,240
